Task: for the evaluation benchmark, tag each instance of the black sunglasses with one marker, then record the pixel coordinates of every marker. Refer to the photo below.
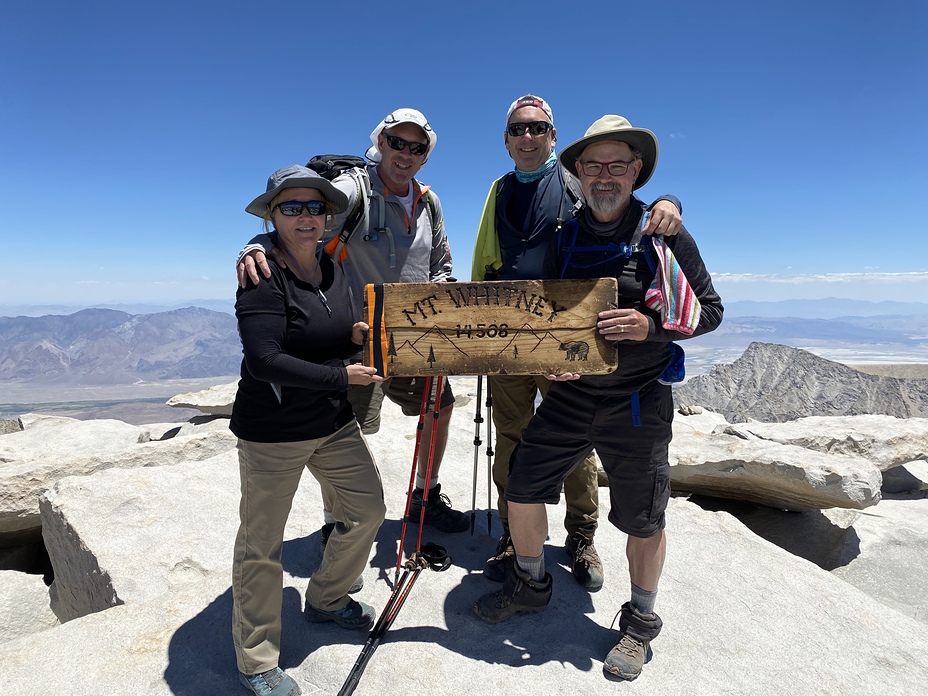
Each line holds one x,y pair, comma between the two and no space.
399,145
534,127
295,208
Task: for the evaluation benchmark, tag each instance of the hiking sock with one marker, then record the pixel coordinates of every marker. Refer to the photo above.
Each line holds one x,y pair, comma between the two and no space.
533,565
420,482
643,600
328,517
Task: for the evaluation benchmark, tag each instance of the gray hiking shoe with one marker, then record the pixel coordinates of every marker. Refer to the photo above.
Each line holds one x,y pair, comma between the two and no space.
585,564
324,535
353,616
274,682
497,566
636,631
438,513
520,595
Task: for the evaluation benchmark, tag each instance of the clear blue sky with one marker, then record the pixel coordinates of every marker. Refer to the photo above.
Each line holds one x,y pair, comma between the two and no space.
132,135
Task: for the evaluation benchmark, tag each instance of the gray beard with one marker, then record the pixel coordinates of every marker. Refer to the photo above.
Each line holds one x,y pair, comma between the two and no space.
605,201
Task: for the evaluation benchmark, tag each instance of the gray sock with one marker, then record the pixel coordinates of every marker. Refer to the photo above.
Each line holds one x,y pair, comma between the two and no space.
533,565
328,517
643,600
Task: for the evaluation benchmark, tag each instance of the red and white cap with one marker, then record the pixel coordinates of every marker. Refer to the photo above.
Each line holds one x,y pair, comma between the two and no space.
530,100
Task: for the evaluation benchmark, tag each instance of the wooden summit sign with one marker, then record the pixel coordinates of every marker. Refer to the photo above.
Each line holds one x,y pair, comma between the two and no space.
521,327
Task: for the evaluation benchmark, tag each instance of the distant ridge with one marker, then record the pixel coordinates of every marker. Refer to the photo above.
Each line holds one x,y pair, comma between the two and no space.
227,306
774,383
108,347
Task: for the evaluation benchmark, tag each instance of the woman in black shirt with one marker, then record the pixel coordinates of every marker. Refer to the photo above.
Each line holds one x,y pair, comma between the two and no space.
291,411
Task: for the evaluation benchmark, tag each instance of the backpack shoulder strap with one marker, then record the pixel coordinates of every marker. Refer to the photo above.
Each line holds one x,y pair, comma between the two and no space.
357,217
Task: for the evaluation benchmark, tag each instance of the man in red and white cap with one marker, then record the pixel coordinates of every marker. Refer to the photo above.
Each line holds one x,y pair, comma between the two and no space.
523,211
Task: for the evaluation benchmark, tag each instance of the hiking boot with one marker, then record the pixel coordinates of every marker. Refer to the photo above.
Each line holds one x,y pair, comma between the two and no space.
585,562
636,631
497,566
520,595
438,513
353,616
324,535
274,682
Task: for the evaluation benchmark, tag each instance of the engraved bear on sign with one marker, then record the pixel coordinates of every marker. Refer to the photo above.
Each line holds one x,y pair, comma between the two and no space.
575,350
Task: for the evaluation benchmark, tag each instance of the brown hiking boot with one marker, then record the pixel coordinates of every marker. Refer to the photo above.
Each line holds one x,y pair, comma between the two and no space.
636,631
497,566
585,564
520,595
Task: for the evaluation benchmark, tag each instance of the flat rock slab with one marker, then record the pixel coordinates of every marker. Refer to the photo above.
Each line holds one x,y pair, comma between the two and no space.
31,461
216,401
886,441
768,473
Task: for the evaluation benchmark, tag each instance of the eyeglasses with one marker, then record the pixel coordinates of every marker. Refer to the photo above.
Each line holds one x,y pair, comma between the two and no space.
399,145
533,127
295,208
591,168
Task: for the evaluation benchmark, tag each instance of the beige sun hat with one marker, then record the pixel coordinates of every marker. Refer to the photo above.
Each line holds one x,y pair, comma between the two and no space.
611,127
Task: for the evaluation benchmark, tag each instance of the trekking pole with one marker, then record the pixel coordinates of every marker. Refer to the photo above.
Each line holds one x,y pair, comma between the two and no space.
478,419
423,409
431,556
489,458
435,394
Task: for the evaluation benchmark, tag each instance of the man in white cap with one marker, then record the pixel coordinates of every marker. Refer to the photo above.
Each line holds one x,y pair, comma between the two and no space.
625,415
524,209
404,241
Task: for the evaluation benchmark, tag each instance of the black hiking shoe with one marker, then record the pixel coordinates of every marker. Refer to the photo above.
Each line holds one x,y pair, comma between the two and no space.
497,566
438,513
354,615
520,595
586,564
636,631
324,535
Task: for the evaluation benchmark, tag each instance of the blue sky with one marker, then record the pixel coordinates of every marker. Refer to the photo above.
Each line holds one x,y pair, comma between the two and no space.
132,135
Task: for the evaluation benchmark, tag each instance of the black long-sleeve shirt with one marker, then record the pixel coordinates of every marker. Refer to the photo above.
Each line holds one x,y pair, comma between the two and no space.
295,337
639,362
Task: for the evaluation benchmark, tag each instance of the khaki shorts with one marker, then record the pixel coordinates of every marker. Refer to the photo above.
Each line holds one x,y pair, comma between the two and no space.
367,400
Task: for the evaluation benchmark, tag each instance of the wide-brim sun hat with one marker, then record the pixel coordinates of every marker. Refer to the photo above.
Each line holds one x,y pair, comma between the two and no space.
395,118
612,127
297,176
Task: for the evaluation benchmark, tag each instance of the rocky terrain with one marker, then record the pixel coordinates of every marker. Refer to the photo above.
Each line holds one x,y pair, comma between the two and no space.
796,564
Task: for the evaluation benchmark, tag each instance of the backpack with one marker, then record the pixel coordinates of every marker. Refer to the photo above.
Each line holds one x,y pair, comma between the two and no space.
332,166
675,370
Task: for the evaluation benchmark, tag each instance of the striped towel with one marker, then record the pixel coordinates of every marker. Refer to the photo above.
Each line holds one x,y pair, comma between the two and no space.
670,292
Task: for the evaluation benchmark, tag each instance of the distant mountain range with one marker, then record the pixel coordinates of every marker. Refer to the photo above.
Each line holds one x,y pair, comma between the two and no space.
111,347
108,347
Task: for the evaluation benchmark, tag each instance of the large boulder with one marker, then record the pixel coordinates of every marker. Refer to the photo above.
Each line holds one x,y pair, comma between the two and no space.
768,473
215,401
32,460
24,605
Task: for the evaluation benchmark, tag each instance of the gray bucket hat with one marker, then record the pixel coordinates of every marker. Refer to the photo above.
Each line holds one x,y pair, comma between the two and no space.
296,176
611,127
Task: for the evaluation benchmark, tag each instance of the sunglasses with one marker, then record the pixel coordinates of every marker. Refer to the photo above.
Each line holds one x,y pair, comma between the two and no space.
295,208
534,127
399,145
